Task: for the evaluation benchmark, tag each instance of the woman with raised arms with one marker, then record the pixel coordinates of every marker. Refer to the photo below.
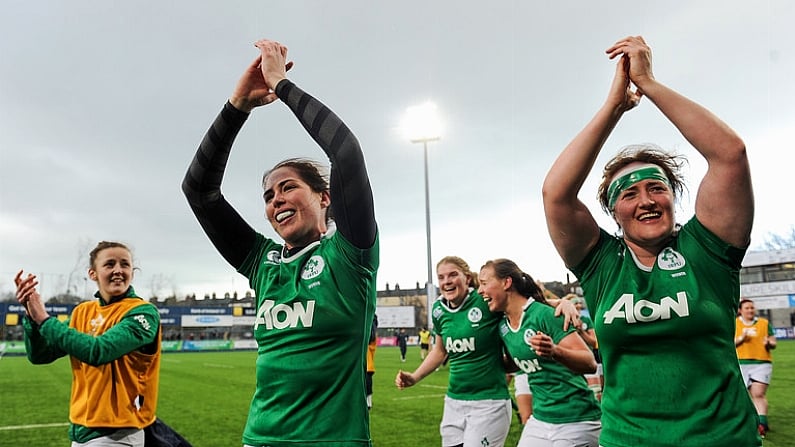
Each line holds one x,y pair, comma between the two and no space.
663,296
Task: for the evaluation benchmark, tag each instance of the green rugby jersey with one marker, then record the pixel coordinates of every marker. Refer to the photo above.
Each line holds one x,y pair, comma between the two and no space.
665,336
559,395
470,336
312,327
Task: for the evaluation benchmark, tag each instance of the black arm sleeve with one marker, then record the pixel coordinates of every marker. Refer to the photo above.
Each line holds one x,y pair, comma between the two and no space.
351,195
230,234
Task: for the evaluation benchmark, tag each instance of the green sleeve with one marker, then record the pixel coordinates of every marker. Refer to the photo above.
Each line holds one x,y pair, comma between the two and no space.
38,349
137,329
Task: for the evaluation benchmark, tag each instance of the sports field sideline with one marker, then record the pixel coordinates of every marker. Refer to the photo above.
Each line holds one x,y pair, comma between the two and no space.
205,396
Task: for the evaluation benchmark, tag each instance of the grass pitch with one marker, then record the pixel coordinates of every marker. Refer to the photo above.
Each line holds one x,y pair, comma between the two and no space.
205,396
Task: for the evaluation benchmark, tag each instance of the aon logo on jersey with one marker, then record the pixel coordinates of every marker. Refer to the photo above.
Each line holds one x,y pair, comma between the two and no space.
460,344
644,311
528,366
282,316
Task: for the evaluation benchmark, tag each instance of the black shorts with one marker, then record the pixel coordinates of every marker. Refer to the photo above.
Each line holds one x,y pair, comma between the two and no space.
424,346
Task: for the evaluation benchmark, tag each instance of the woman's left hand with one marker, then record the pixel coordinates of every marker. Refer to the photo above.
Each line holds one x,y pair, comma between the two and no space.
274,65
571,316
542,344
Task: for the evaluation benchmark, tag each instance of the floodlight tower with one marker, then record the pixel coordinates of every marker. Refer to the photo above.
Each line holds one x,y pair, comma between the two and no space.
422,125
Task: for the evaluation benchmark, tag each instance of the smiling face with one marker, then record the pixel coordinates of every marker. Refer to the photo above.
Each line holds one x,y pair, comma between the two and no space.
296,212
112,270
453,282
493,289
748,310
645,211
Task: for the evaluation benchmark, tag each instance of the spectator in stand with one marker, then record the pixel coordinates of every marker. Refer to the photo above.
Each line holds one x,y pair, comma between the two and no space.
754,338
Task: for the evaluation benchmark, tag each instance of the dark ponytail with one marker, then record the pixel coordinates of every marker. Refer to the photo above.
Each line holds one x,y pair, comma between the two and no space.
523,283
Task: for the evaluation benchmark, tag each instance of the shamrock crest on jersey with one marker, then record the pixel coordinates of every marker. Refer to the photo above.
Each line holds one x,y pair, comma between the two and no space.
475,315
314,267
528,334
670,259
273,257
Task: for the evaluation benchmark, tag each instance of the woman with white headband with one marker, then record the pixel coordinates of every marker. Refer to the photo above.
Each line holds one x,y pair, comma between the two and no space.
663,297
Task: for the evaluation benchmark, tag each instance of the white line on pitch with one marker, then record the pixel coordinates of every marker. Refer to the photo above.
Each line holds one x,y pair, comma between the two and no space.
219,365
438,387
419,396
25,427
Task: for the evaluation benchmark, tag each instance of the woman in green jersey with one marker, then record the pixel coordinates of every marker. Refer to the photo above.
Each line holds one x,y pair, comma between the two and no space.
565,411
662,296
113,344
315,291
477,407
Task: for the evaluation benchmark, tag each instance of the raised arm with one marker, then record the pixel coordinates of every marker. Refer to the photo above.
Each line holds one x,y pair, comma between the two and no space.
227,230
230,234
351,194
725,202
571,225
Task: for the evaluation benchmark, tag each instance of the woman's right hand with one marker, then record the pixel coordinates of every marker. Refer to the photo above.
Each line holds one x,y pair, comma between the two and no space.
621,94
28,296
253,90
404,379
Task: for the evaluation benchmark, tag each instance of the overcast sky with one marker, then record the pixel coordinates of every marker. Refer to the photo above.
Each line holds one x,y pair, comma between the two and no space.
103,103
